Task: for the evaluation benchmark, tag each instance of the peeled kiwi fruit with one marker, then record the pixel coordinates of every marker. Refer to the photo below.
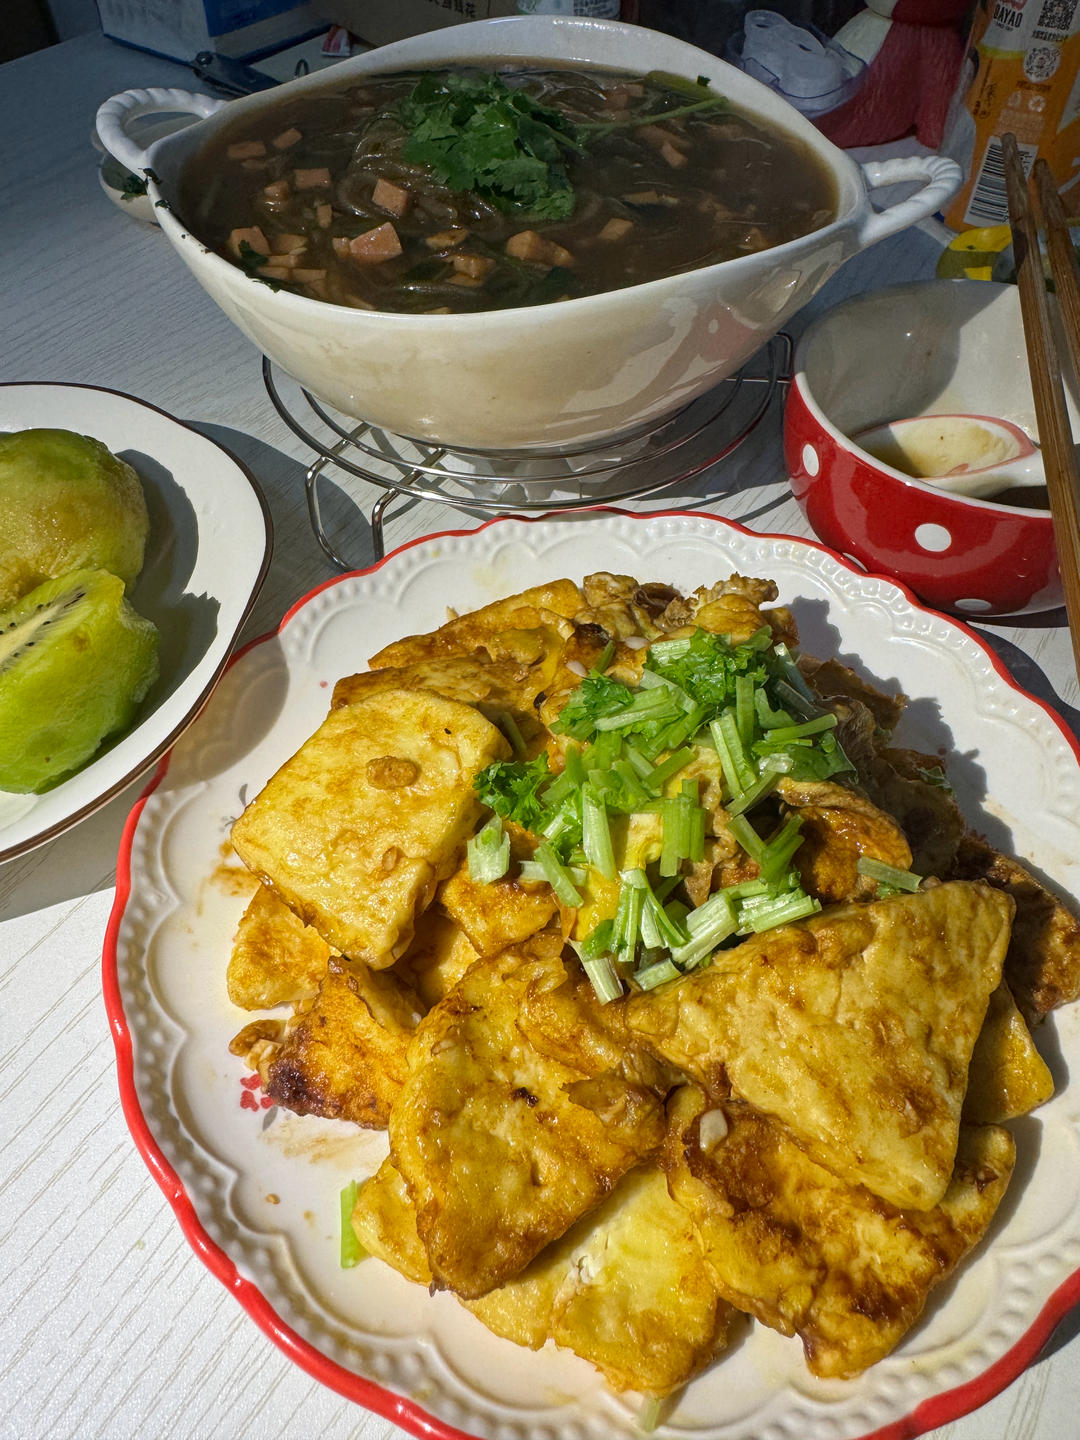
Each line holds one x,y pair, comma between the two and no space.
75,661
66,503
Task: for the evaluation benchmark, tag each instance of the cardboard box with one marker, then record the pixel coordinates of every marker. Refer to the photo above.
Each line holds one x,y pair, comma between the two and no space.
380,21
241,29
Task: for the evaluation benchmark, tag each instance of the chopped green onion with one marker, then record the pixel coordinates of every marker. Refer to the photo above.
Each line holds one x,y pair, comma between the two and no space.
888,874
509,726
708,925
646,705
605,658
351,1250
652,680
792,674
768,718
745,690
780,849
658,974
659,774
748,838
604,981
603,752
749,798
532,870
635,793
738,771
625,955
682,729
785,733
557,876
596,834
769,917
598,941
642,767
648,1416
488,852
795,698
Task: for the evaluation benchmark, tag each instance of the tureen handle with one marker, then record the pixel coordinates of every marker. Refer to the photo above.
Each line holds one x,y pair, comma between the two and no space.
943,178
116,113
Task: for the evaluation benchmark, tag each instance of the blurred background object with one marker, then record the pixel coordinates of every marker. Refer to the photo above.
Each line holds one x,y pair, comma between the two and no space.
914,51
1021,74
799,62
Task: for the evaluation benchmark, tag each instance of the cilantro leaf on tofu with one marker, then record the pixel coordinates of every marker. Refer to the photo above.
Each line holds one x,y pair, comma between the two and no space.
595,697
705,666
476,133
510,787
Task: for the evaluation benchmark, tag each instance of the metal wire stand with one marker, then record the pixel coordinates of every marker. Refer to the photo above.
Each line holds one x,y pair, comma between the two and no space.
514,482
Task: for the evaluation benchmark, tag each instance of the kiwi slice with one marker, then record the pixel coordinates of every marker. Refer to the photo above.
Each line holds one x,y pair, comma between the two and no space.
75,660
66,503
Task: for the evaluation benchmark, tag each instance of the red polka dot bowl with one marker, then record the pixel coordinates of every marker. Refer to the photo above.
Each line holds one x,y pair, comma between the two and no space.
933,347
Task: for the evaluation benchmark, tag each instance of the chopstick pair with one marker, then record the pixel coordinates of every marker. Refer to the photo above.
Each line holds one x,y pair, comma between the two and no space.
1044,359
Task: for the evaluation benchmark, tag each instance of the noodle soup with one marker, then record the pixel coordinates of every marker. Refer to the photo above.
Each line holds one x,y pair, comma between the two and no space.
479,189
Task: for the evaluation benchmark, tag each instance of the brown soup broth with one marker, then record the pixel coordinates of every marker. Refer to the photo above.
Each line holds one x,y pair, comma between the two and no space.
651,199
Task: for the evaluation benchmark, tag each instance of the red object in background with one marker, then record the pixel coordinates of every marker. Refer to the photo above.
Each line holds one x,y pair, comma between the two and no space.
945,548
910,80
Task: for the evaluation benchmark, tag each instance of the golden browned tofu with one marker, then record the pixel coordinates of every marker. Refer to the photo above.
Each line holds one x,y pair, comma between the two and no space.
343,1055
385,1224
438,957
807,1253
276,959
733,608
560,600
358,828
501,1147
839,828
496,687
500,913
626,1288
1043,963
1007,1076
854,1027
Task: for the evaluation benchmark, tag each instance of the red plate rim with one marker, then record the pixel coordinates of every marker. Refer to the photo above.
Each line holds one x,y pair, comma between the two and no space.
935,1411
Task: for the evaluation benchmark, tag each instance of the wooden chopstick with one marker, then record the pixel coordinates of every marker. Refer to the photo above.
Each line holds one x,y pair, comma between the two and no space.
1055,432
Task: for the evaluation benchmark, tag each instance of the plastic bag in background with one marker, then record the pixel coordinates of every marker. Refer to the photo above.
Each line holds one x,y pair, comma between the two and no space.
1021,74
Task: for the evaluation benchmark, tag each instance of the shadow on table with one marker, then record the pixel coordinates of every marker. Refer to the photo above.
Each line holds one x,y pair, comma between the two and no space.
78,863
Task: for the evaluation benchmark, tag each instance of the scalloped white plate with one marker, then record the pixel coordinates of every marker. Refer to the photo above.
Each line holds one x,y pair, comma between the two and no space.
206,559
257,1190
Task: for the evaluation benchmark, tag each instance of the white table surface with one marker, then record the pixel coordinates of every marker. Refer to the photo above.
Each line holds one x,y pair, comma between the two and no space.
109,1325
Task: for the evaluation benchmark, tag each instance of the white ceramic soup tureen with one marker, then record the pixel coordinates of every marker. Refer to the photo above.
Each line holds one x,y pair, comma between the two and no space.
546,375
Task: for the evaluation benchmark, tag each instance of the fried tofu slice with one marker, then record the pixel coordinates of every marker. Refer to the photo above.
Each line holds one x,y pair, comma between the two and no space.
343,1054
501,1147
276,959
1043,962
1007,1077
495,914
495,687
854,1027
356,830
554,604
840,827
626,1288
734,608
438,957
807,1253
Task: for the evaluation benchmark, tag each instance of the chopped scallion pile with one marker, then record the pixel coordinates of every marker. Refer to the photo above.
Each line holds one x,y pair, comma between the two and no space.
738,716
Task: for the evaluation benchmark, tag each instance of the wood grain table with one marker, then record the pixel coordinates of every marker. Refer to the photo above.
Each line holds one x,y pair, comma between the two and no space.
110,1327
